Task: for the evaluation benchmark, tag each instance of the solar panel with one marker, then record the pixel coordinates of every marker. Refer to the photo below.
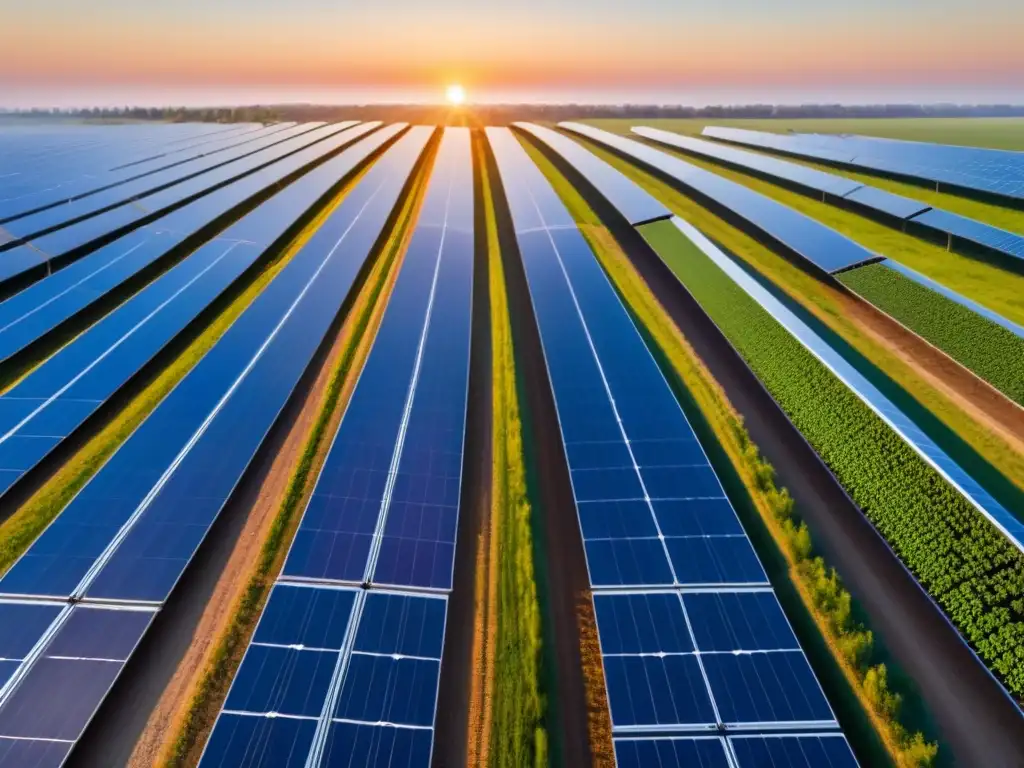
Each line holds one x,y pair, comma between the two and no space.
636,205
979,233
886,202
50,249
385,507
128,535
65,676
384,512
57,397
991,171
807,178
365,695
676,752
709,650
704,660
810,240
29,227
783,751
885,409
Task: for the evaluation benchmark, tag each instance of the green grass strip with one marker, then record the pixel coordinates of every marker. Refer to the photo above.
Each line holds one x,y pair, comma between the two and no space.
518,737
970,569
991,351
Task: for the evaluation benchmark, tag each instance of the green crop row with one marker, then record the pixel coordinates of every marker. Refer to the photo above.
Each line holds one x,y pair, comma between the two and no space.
988,349
960,558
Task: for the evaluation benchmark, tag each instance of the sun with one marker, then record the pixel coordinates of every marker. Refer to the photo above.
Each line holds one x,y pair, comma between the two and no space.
455,94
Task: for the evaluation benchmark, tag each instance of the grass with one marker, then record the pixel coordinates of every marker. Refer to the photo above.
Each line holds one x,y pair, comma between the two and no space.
825,305
517,706
981,132
988,349
819,586
215,679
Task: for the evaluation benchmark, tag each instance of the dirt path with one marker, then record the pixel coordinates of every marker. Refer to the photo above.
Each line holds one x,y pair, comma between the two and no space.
979,399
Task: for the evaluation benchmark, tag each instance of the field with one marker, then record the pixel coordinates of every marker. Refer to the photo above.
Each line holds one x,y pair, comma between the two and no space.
390,425
996,133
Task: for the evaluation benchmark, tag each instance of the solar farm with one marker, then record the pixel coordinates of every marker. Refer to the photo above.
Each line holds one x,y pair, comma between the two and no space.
589,443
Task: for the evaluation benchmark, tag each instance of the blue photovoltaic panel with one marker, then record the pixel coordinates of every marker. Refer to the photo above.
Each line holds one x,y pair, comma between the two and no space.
300,615
39,753
245,741
884,408
41,251
376,746
385,506
678,752
370,701
993,171
126,534
642,483
812,241
62,392
659,649
651,510
808,178
37,191
798,751
739,621
635,204
26,316
886,202
61,688
37,224
977,232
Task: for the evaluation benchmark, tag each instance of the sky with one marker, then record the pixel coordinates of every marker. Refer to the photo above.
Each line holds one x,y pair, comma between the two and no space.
218,52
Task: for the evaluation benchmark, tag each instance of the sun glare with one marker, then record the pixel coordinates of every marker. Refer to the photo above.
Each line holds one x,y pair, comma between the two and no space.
456,95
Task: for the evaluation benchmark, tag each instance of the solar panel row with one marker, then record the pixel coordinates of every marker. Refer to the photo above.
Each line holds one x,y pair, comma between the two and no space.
636,205
991,171
38,224
801,176
44,250
888,411
385,507
74,171
384,511
334,677
872,198
811,241
30,314
60,394
128,535
708,648
80,150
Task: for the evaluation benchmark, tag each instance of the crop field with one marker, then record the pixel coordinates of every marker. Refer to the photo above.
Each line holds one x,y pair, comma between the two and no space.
368,443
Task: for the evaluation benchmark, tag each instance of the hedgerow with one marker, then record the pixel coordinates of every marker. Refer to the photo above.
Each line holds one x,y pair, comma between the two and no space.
988,349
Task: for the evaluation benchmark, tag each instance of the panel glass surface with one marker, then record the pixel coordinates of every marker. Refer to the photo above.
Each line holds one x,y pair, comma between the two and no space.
629,199
817,244
804,751
679,752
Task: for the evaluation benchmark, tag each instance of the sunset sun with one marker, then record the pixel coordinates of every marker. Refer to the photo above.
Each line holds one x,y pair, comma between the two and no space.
455,94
